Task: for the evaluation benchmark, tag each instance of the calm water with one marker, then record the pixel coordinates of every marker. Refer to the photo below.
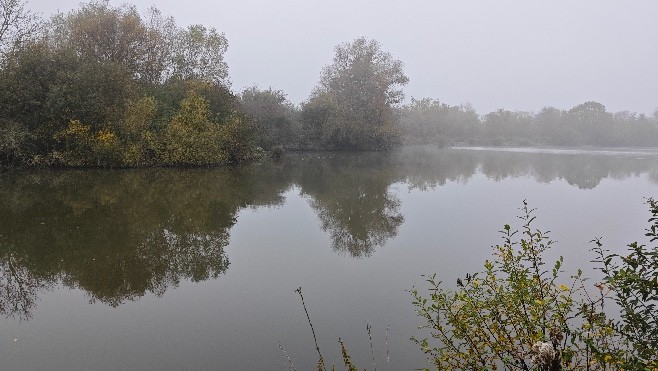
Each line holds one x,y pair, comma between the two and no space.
196,269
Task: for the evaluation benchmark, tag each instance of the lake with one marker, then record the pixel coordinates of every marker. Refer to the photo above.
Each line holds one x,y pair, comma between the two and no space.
168,269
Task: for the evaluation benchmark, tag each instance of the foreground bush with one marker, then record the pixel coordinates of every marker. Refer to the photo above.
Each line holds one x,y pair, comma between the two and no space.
521,314
633,280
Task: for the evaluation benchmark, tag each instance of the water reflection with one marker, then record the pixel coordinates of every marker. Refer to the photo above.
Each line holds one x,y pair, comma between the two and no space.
19,288
423,167
118,235
350,194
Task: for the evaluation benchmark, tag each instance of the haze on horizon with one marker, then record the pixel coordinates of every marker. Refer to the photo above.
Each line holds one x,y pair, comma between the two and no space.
517,55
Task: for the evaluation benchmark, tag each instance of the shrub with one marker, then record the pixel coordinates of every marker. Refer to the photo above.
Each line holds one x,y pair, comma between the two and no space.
633,280
517,313
13,143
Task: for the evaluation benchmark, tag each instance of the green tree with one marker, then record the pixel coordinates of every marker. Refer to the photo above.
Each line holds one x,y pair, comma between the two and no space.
144,45
120,79
553,127
426,121
191,138
43,89
272,115
503,127
593,122
198,53
141,143
356,95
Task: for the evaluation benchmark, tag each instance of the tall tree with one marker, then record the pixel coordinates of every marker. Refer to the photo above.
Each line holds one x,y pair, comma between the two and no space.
100,33
356,95
16,25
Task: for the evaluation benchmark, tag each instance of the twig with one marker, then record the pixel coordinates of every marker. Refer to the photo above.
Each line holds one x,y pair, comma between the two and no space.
299,291
291,365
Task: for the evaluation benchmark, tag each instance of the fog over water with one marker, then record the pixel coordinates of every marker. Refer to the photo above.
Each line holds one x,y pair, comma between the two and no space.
518,55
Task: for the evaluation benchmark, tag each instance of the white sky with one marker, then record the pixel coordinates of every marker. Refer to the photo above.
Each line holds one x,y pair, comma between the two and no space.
513,54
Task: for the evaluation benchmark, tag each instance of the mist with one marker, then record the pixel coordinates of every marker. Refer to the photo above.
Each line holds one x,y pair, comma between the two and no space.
516,55
181,170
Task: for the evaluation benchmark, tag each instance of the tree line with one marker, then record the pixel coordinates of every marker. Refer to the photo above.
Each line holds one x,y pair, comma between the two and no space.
104,86
428,121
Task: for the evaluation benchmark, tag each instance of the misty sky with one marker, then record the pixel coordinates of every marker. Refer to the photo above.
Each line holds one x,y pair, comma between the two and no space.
518,55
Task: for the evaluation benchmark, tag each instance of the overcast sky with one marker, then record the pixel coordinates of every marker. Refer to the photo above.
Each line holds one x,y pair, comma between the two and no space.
518,55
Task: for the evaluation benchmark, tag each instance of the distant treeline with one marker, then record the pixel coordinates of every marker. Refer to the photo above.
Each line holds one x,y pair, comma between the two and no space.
105,86
428,121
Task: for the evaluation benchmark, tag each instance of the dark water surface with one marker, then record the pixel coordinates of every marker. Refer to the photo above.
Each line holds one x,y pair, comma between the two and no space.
171,269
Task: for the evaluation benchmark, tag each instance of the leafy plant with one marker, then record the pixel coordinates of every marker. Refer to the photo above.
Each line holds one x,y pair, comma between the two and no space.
633,279
517,314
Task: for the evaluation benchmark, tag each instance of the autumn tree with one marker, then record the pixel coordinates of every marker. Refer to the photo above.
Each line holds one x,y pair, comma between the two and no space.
352,106
101,86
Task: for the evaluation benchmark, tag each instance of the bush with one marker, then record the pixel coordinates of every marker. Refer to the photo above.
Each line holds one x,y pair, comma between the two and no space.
13,143
517,313
633,280
192,139
82,147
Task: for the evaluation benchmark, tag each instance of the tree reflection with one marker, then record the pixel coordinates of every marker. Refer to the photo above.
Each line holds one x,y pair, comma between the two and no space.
19,288
350,194
426,167
119,235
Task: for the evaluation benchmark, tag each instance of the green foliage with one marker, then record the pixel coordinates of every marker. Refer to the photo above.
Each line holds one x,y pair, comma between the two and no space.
352,107
518,313
13,139
221,102
633,279
32,93
77,142
236,139
141,144
104,86
198,53
152,49
190,138
273,118
193,139
101,33
428,121
82,147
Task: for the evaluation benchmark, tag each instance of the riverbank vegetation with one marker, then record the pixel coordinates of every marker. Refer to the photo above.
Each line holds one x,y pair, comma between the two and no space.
521,313
105,86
